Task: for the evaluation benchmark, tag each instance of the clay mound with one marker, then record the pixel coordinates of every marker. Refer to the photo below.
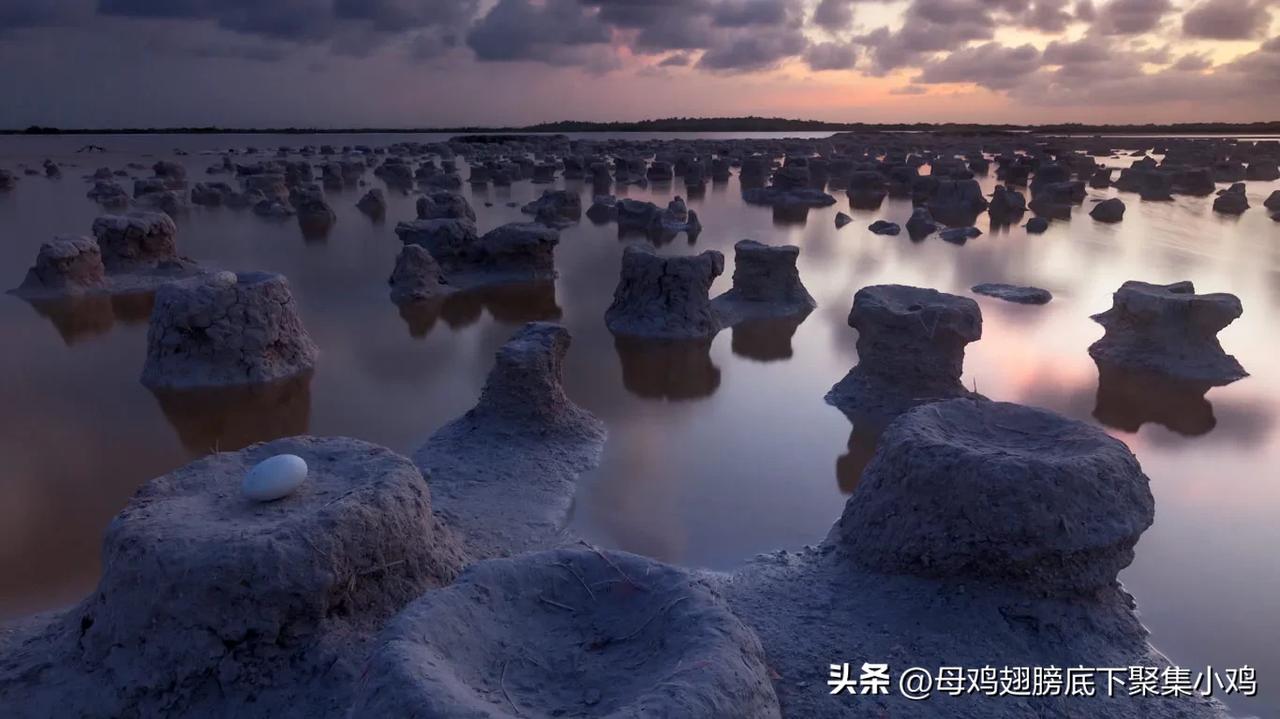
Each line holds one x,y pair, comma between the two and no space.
1169,330
199,581
911,344
226,330
138,239
568,633
504,474
766,284
661,297
991,490
68,265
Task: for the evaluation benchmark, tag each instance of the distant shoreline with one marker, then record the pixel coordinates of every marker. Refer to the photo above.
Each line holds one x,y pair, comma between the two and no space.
729,124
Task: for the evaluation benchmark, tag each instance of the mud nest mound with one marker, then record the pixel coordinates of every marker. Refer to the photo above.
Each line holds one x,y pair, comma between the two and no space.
225,330
568,633
973,488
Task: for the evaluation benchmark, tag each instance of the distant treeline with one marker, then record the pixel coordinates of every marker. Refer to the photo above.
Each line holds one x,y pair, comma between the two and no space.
704,124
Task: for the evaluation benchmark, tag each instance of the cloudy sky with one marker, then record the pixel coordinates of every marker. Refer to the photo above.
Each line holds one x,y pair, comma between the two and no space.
417,63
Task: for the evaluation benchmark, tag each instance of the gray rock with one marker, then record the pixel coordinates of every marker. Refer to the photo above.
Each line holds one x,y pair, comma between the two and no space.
170,202
921,223
636,215
842,220
677,218
1006,205
373,203
959,235
109,194
416,276
766,283
136,240
604,208
272,209
980,490
444,204
557,204
1232,201
867,190
444,238
911,344
665,297
787,199
514,252
884,227
1110,210
957,202
1169,330
271,185
227,329
66,265
169,170
1014,293
505,473
314,213
1263,170
211,194
512,637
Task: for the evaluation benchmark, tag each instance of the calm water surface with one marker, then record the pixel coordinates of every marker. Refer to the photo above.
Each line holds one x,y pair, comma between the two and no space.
714,454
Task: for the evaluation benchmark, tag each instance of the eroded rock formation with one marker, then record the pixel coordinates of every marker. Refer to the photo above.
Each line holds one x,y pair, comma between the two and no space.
665,297
1169,330
512,637
911,344
226,329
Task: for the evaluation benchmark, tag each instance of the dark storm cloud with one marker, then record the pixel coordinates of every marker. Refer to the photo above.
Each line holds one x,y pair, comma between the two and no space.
929,26
745,13
833,14
1085,50
754,51
1228,19
395,15
302,20
1048,16
43,13
991,65
1193,63
831,56
553,32
1130,17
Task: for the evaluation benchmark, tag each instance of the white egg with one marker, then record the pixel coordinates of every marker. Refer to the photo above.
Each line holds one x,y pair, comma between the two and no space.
274,478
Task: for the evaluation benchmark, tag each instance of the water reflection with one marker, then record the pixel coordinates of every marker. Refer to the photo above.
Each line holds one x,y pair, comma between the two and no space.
860,448
667,369
1128,399
766,339
508,304
227,419
78,318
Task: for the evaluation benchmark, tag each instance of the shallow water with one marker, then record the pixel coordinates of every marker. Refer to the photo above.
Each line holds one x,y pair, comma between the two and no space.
714,455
